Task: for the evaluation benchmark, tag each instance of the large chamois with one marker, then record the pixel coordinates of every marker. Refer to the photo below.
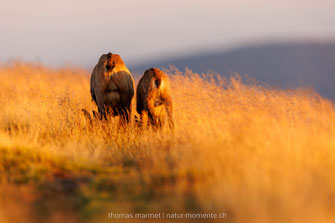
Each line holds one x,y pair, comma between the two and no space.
112,87
154,102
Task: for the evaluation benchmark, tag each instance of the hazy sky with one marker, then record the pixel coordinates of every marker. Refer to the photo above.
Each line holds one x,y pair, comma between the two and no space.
78,31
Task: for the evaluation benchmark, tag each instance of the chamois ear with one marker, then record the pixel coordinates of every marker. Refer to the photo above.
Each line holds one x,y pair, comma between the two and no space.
107,67
109,64
157,82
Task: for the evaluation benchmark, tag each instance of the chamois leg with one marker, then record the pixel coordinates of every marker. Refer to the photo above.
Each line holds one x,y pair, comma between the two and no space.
87,115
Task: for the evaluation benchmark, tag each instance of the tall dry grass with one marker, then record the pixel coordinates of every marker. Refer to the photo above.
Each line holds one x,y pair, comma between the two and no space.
256,153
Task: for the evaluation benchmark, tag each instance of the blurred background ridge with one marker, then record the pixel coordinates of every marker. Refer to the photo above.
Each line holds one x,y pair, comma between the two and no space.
285,65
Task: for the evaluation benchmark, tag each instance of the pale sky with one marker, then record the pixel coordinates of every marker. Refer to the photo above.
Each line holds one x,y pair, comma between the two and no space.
79,31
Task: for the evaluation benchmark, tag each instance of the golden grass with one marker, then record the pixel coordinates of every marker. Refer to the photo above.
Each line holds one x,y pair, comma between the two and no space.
256,153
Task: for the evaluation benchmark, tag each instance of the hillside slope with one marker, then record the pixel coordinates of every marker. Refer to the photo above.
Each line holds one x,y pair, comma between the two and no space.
284,65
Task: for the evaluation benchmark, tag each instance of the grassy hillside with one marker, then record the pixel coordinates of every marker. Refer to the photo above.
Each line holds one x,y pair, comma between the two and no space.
258,154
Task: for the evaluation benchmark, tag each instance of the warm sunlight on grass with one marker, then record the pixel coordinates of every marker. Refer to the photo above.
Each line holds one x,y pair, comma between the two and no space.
240,147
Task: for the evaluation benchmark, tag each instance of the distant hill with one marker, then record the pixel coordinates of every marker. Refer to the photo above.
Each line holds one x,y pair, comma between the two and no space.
283,65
